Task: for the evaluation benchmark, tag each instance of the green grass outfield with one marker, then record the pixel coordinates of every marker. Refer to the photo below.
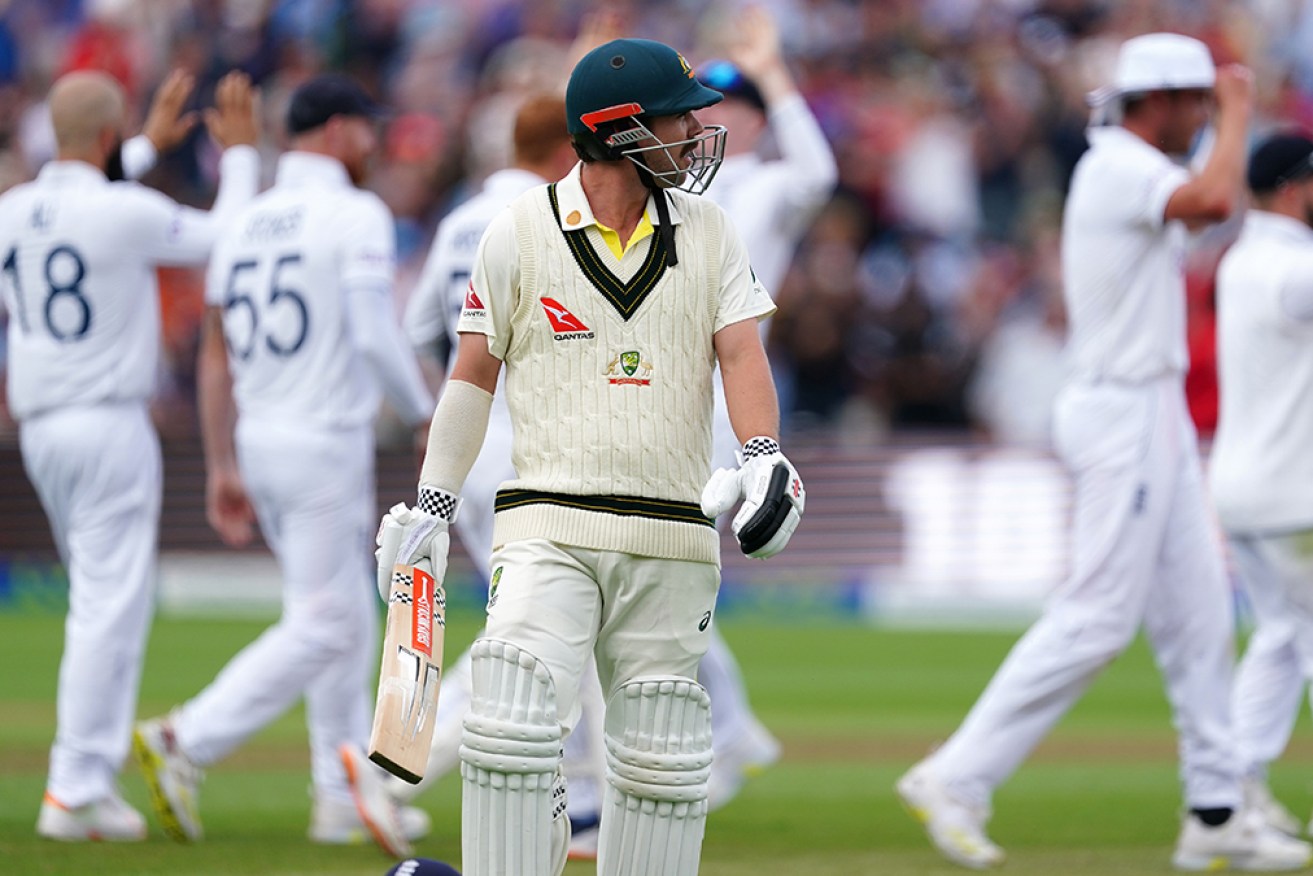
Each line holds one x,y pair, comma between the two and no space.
853,707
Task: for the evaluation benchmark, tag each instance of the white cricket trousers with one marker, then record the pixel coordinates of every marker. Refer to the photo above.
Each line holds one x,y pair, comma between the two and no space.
97,471
1143,551
640,616
313,492
1277,573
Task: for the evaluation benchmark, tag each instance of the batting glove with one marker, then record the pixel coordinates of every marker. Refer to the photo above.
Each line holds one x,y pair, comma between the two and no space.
772,493
416,536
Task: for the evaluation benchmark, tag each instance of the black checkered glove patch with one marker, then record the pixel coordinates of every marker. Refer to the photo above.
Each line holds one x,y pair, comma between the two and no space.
760,446
438,502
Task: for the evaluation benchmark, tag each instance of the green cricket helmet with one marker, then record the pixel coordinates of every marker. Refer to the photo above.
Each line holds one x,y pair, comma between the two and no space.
618,85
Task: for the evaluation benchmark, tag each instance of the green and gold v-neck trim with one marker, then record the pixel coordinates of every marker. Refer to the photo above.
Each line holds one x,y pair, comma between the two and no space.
626,298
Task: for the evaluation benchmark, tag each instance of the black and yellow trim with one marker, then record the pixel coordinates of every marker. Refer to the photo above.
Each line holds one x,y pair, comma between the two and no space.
624,506
626,298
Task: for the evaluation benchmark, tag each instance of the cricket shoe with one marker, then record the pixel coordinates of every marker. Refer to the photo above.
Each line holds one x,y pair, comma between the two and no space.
1259,799
955,826
337,823
748,754
584,832
1244,842
173,780
110,819
377,809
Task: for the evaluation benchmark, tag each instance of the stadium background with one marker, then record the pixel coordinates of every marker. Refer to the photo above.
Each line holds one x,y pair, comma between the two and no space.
917,347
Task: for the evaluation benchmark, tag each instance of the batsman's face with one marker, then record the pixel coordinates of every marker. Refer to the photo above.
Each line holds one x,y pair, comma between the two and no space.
678,157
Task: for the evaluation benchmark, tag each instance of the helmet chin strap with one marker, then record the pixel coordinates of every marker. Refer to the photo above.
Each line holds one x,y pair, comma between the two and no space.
667,229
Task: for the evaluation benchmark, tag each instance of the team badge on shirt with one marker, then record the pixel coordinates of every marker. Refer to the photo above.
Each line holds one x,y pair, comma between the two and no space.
473,305
629,369
565,325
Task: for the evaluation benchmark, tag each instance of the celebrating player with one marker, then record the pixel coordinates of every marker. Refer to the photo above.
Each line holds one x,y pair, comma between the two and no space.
1143,547
300,335
1260,473
608,297
80,288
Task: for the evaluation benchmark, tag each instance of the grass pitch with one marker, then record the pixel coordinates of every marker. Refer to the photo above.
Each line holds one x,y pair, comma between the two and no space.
853,706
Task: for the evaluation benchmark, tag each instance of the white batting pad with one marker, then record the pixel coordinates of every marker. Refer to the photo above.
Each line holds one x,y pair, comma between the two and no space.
510,751
658,760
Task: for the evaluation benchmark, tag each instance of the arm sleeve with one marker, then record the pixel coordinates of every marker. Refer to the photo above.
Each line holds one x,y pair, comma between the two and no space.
1297,290
1148,188
742,296
367,268
494,286
811,171
426,311
138,156
460,423
172,234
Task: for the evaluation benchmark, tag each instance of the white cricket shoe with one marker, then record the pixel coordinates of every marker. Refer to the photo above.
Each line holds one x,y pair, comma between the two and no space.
377,809
955,827
110,819
1259,799
173,780
337,823
1244,842
748,754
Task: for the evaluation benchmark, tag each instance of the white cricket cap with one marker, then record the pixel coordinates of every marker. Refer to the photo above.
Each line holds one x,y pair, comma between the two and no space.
1158,62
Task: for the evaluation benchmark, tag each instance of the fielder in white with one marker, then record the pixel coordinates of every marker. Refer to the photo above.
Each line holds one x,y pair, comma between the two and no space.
542,151
79,260
300,341
608,296
1261,472
1143,550
771,203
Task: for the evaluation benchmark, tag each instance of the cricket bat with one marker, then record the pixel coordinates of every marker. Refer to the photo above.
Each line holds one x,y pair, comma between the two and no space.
410,674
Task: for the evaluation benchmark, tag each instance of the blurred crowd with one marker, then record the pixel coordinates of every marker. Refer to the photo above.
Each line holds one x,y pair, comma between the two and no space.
927,293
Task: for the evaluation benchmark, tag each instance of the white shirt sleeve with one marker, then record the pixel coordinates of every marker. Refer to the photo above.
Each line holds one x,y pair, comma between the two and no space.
368,265
171,234
807,159
742,296
1148,191
138,155
1297,290
426,311
495,285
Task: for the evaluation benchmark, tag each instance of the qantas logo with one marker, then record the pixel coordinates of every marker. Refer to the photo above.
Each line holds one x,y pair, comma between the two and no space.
565,325
473,304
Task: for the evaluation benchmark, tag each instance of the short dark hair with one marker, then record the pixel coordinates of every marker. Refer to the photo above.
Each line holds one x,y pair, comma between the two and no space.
1279,159
330,94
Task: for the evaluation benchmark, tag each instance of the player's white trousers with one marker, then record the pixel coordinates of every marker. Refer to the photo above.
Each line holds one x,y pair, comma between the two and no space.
314,494
1277,573
647,616
1143,552
97,471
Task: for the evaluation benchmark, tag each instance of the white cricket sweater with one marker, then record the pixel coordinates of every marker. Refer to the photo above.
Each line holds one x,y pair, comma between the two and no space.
608,370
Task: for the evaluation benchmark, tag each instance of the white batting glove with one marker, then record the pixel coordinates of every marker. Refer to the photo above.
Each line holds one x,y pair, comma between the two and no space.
416,536
772,493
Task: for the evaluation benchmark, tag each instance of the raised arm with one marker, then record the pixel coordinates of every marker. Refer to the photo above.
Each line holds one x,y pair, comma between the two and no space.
171,234
1216,191
811,169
